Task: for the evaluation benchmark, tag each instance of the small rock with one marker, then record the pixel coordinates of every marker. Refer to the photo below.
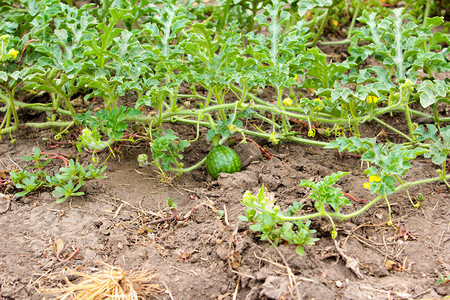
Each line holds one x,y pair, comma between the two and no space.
274,287
270,182
222,252
262,274
194,258
240,180
248,153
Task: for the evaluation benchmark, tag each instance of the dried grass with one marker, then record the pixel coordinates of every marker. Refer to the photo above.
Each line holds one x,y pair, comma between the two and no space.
111,282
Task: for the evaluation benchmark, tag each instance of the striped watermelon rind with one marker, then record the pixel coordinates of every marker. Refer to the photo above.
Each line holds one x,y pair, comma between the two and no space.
222,159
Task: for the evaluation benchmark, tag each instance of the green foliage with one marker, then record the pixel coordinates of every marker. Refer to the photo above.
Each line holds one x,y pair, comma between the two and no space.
226,128
5,53
388,162
439,146
111,124
442,280
39,160
320,73
166,150
67,190
403,48
65,183
281,55
288,226
171,204
324,193
267,219
148,51
305,6
213,59
29,182
352,144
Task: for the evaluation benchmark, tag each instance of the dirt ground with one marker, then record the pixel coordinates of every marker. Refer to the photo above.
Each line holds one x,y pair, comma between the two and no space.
120,221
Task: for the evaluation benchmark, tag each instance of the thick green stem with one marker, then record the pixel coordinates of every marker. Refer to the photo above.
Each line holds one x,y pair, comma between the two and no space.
400,108
5,119
192,96
322,26
49,124
394,129
41,107
284,120
243,95
350,28
410,124
363,209
7,130
212,124
355,16
389,211
13,109
208,99
435,113
219,97
329,43
186,170
55,102
356,127
224,18
70,107
427,11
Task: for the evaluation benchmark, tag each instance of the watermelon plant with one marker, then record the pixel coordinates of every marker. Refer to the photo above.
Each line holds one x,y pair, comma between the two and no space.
287,225
111,69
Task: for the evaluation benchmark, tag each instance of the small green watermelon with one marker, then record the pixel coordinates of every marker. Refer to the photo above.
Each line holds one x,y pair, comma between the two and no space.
222,159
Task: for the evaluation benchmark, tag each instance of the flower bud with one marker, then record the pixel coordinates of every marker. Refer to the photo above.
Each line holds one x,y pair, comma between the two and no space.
287,102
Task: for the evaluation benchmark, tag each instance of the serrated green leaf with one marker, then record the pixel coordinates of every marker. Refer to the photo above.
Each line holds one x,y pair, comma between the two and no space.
433,22
431,92
423,135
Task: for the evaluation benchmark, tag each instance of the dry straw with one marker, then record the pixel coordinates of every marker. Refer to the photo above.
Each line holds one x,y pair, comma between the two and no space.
112,282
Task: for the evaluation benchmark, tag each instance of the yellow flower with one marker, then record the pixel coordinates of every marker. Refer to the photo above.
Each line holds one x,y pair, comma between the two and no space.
231,127
295,77
372,178
372,99
13,53
287,102
319,104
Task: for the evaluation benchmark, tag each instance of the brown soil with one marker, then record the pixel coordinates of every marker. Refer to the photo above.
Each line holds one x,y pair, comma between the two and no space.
207,257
